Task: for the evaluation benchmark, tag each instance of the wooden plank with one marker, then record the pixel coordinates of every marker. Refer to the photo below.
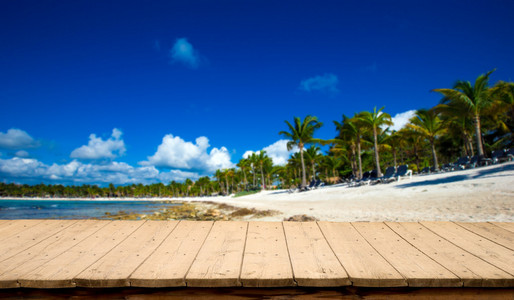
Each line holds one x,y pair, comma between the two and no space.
505,225
266,260
473,271
31,236
61,271
115,268
491,232
314,263
491,252
364,265
14,227
416,267
218,263
168,265
15,267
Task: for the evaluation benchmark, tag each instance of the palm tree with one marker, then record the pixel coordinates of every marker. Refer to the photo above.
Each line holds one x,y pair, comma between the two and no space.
374,120
350,132
313,156
261,159
428,124
476,97
301,134
244,165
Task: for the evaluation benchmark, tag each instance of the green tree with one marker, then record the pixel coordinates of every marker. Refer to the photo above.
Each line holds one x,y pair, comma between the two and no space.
374,120
429,125
301,134
476,97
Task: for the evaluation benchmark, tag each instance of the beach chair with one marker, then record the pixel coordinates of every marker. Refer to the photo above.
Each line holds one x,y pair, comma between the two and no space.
402,171
359,182
478,161
461,163
425,171
319,184
508,155
388,175
447,167
496,155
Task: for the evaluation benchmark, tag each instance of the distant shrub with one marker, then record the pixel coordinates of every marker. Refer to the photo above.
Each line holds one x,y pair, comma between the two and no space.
246,193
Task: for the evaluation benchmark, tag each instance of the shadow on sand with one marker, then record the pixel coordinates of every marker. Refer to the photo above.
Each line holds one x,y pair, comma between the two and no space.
489,172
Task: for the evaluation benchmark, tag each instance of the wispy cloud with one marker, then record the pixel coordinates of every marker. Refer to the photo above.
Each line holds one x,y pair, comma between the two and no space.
176,153
183,52
277,152
326,83
97,148
76,172
402,119
16,139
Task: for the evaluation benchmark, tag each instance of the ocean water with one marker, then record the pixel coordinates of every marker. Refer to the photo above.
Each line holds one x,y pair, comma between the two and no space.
63,209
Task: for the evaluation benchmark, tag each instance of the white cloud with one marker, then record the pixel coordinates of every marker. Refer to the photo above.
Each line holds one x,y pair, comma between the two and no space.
176,153
402,119
277,152
183,52
76,172
21,153
16,139
100,149
326,83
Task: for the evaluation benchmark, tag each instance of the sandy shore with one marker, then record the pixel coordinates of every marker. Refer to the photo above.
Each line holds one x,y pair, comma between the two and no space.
475,195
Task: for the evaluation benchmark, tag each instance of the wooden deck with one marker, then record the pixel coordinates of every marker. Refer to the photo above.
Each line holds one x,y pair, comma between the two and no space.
87,253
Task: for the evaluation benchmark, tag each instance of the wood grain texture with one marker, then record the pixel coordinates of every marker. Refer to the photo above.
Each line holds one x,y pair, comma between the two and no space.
483,248
31,236
17,266
314,263
417,268
13,227
168,265
473,271
492,232
505,225
115,268
266,260
61,271
68,253
364,265
219,261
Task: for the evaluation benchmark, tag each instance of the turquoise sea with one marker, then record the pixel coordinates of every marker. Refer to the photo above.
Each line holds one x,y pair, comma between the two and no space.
64,209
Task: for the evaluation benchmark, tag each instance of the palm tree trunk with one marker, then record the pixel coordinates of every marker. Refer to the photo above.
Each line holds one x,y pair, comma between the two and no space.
262,180
434,155
359,157
377,162
304,180
394,156
480,148
313,171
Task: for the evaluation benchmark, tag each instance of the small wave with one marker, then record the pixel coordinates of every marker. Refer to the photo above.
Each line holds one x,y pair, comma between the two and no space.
8,208
54,205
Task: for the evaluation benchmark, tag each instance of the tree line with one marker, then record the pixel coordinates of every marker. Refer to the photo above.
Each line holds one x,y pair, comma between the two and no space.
471,119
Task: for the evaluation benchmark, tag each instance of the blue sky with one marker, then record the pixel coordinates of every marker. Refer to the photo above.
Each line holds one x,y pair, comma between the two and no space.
138,91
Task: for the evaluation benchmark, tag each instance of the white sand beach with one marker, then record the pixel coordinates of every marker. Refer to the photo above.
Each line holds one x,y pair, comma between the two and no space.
474,195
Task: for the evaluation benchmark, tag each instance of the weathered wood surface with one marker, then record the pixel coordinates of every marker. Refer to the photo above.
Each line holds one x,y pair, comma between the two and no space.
219,261
69,253
314,263
416,267
365,266
473,271
168,265
266,259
